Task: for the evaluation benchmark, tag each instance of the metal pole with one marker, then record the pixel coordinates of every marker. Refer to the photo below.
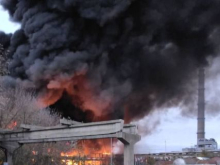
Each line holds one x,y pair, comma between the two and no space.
111,152
165,149
165,146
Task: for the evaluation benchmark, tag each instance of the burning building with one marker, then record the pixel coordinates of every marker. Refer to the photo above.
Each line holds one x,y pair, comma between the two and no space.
98,152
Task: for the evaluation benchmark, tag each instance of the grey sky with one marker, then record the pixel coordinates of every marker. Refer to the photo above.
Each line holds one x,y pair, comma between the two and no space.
176,130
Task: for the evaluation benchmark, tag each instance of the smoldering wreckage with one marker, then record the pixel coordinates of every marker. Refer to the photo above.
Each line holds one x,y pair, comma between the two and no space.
96,60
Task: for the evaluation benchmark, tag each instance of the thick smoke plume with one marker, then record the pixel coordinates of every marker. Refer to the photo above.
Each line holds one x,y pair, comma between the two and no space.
111,58
5,39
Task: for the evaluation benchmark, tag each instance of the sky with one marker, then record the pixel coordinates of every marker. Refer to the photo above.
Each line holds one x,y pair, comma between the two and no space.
5,24
170,130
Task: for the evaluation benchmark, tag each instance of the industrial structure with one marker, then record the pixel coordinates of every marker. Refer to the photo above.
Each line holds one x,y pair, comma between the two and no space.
202,142
201,106
69,131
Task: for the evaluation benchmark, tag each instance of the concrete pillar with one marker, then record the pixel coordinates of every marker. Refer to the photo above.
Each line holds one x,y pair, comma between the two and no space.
9,157
9,150
129,141
129,154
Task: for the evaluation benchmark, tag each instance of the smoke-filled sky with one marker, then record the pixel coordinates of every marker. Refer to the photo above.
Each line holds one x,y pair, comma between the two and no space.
132,56
99,60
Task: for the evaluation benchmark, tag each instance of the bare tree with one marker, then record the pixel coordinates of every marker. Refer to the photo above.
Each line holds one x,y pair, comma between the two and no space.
17,106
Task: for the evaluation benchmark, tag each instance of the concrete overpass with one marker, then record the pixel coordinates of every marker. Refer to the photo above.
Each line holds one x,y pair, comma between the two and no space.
69,131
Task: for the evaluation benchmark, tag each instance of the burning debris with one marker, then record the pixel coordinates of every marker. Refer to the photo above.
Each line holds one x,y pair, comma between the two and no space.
114,59
88,152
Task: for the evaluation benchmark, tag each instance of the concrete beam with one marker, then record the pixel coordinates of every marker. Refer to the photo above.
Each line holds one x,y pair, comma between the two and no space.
130,128
82,131
4,130
127,138
69,122
30,127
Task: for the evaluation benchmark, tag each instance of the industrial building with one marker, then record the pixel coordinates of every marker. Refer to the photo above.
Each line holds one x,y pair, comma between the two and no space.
202,142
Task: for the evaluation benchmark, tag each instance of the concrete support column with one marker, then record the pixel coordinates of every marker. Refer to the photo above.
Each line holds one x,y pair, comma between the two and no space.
129,141
9,150
129,154
9,157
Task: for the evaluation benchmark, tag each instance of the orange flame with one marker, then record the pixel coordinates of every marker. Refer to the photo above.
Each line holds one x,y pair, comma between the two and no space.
34,152
12,125
83,94
86,96
87,149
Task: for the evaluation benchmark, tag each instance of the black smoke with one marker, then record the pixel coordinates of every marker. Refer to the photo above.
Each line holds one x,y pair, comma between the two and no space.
5,40
142,53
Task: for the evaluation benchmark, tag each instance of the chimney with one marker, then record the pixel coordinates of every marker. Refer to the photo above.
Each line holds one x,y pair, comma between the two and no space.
201,105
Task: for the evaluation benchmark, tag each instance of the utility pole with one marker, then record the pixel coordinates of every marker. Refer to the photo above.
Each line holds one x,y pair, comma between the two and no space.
165,149
165,146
